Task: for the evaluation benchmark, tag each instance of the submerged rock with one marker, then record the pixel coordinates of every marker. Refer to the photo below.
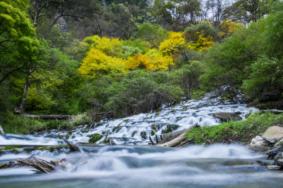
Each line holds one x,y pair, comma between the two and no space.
273,167
170,128
226,117
143,135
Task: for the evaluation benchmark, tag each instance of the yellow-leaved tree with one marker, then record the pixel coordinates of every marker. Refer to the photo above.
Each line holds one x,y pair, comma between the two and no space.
97,62
228,27
153,60
110,46
173,44
112,55
201,43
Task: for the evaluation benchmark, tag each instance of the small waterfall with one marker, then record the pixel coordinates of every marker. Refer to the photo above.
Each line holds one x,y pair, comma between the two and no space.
141,129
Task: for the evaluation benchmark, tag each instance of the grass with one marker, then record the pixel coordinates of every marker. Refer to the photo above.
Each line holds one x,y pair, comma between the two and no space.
241,131
22,125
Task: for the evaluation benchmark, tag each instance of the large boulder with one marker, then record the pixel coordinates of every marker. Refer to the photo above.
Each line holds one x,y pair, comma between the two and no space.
274,133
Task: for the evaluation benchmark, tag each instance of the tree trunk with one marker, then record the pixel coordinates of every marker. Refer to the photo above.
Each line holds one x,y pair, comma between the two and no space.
21,108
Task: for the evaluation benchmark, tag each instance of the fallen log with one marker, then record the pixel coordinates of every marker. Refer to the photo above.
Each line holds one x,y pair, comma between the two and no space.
161,139
178,141
39,165
48,117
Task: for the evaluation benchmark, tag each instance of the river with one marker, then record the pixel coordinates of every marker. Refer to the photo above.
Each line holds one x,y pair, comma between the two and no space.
229,166
130,162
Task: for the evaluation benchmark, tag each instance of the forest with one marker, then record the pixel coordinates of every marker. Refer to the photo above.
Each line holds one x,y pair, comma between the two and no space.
141,93
107,59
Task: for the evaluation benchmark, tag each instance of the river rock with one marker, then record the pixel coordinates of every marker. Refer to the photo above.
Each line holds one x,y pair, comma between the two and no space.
274,133
170,128
273,167
279,143
259,143
226,117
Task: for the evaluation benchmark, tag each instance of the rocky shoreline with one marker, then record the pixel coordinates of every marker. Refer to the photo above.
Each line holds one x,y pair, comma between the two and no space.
271,143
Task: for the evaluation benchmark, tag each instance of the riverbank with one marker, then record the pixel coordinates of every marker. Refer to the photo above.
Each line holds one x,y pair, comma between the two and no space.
235,131
18,124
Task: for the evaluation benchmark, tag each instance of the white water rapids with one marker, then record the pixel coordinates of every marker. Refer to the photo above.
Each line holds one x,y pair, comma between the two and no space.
139,129
221,166
141,166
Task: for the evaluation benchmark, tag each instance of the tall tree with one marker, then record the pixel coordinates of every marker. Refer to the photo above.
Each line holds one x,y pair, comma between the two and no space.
248,10
19,46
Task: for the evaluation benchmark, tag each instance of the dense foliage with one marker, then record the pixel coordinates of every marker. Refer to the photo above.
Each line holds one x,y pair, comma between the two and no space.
116,58
251,59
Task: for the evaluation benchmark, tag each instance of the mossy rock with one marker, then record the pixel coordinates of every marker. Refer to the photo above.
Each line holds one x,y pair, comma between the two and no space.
94,138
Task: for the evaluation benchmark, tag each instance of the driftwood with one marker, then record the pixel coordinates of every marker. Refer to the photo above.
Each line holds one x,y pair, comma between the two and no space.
163,138
178,141
39,165
48,117
174,139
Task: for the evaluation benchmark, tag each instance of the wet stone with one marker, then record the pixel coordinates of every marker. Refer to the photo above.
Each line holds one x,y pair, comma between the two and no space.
273,167
134,133
143,135
170,128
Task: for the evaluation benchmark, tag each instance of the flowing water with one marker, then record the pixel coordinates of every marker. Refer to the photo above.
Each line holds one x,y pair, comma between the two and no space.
142,129
133,164
219,166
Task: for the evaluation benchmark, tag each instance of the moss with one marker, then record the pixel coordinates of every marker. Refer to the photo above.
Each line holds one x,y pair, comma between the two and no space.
241,131
94,138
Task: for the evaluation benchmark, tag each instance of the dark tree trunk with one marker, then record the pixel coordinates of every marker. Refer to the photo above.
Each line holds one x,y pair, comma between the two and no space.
21,108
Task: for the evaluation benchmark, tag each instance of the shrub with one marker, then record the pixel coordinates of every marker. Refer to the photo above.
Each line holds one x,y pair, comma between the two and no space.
266,77
229,63
151,33
200,37
228,27
140,93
